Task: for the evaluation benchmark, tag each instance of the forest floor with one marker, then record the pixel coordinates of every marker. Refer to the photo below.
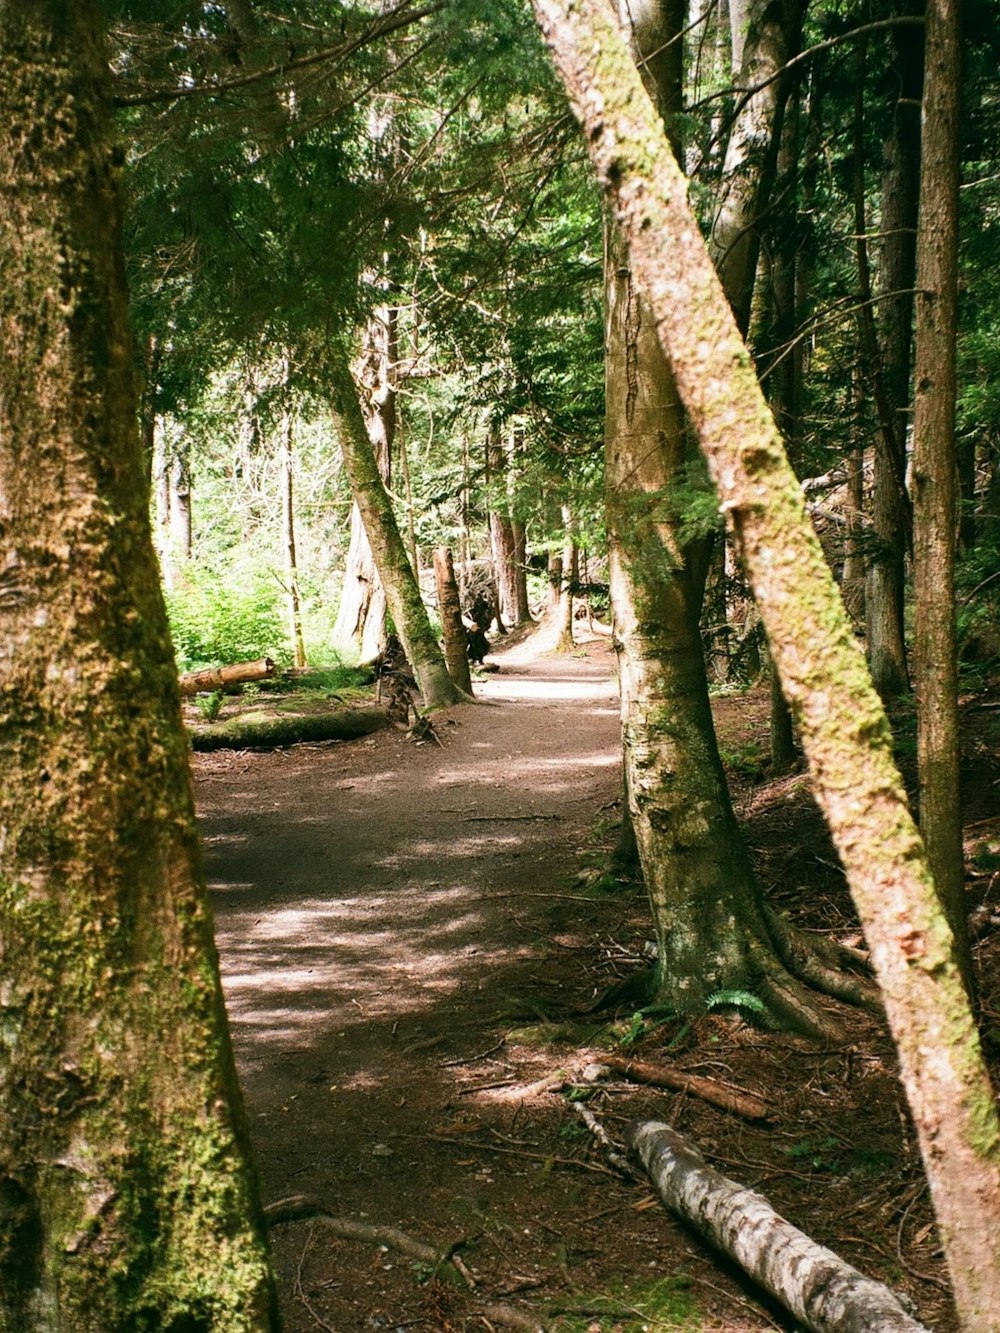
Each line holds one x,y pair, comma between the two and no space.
406,931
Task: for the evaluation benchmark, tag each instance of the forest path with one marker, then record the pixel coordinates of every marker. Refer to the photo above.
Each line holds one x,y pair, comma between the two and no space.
384,913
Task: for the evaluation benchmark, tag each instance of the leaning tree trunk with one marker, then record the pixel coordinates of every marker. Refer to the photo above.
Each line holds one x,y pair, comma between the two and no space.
844,731
401,588
713,933
360,626
128,1200
934,473
288,532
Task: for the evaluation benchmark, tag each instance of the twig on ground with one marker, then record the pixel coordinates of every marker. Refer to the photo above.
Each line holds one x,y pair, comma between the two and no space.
613,1151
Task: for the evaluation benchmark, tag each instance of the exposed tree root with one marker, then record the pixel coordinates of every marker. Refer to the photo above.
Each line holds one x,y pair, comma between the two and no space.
301,1208
825,965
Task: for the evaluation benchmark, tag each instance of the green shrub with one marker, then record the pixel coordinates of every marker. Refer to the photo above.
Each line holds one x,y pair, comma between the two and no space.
214,622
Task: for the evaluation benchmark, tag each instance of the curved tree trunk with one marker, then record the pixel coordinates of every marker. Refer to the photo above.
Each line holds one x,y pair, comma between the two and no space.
844,731
401,589
128,1201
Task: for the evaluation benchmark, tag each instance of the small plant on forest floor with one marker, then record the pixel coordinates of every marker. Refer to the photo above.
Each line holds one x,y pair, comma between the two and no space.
209,706
746,759
743,1000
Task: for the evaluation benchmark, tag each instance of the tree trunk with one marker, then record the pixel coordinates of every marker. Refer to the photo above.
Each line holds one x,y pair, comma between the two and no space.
217,678
844,731
889,356
772,37
360,626
288,517
128,1200
398,579
569,576
711,928
934,473
817,1286
450,611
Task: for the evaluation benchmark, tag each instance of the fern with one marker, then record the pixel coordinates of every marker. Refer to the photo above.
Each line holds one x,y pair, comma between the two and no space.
736,999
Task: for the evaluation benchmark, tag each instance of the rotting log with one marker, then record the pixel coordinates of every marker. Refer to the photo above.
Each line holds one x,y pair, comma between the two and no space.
218,678
823,1292
266,733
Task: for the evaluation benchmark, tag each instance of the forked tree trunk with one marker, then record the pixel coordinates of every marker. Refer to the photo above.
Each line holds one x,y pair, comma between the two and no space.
128,1201
360,626
844,731
401,588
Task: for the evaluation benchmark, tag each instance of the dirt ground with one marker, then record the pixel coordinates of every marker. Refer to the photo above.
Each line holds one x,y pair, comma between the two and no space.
402,929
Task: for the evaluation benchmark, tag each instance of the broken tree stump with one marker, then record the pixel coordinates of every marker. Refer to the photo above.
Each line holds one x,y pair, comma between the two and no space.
217,678
823,1292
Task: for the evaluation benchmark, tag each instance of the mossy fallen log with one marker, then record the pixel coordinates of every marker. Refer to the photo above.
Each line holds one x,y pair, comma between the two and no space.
268,732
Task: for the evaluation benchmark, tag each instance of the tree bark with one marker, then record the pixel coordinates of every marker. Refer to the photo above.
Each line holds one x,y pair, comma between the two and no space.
401,589
128,1199
360,626
711,929
845,735
934,473
450,611
822,1291
288,523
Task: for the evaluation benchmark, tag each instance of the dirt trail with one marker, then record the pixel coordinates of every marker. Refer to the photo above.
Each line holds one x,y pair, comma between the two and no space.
380,918
392,921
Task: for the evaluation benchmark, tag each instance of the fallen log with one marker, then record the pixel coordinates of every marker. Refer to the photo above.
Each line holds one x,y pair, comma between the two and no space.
268,733
823,1292
217,678
745,1104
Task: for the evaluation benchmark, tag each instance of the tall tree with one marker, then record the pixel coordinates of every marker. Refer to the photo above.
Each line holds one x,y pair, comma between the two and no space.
402,591
844,731
128,1200
713,929
934,470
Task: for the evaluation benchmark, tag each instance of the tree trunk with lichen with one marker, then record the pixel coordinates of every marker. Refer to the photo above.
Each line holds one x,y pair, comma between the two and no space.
713,932
402,591
126,1197
844,732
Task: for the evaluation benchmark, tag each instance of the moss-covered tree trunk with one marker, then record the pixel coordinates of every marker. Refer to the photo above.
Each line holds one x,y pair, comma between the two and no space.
402,591
127,1198
713,933
843,727
360,626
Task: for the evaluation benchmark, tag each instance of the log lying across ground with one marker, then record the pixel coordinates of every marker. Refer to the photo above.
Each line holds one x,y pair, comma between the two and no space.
819,1288
251,731
217,678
